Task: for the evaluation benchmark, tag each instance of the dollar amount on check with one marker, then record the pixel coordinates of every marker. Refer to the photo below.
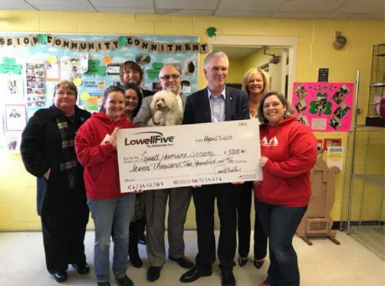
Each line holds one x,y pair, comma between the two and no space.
187,155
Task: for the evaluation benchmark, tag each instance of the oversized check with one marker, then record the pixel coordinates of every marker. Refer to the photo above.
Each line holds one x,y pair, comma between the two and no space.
187,155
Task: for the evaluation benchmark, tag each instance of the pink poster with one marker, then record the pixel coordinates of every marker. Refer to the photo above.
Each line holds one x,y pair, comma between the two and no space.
324,106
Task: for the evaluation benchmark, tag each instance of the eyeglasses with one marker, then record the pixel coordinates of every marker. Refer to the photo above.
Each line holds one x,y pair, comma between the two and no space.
168,76
68,93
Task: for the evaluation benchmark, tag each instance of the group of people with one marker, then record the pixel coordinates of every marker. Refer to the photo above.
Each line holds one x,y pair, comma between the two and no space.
74,157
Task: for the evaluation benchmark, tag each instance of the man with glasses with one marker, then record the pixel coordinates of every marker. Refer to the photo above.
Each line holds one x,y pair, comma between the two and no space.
156,200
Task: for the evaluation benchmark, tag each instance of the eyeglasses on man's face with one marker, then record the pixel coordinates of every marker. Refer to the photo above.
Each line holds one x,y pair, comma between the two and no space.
168,76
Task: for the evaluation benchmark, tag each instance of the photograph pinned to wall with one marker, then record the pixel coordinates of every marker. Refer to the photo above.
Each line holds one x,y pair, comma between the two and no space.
12,88
143,59
341,110
15,117
302,119
185,86
35,84
332,142
12,144
94,102
69,68
113,69
328,104
84,63
340,94
335,123
300,106
156,87
52,71
189,67
301,91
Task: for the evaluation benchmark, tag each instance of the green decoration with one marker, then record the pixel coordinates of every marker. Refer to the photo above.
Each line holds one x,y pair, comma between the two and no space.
321,105
42,39
122,41
9,65
211,32
154,72
95,69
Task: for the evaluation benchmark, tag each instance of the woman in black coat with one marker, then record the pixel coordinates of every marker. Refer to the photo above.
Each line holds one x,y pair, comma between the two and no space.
47,150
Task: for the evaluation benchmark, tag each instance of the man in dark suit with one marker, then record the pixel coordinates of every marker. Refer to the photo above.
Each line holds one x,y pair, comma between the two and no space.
215,103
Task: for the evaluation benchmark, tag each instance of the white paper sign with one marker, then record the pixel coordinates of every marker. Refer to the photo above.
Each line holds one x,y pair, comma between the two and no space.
335,157
187,155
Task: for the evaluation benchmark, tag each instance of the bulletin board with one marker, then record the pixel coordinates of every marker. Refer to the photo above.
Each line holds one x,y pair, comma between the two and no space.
32,64
324,106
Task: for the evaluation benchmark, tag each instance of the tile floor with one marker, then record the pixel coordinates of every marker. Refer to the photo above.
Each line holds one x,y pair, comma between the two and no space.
323,264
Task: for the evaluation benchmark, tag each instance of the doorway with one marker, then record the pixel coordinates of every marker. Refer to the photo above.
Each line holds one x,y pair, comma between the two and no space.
285,47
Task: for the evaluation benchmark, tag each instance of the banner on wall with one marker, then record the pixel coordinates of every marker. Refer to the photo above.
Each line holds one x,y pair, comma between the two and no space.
110,45
324,106
31,66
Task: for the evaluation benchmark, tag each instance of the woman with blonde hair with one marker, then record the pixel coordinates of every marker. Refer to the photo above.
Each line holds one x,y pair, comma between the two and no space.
255,84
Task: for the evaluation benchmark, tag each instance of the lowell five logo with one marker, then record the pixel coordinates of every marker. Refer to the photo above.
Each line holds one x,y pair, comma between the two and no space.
152,138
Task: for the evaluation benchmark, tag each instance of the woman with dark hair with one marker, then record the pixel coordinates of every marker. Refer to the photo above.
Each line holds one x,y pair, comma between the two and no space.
47,150
288,152
95,145
131,72
133,99
255,84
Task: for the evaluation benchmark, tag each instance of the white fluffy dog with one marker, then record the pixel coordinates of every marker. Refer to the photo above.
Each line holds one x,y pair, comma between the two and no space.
166,109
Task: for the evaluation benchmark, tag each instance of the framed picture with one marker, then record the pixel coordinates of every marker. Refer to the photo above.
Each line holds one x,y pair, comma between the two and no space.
329,142
15,117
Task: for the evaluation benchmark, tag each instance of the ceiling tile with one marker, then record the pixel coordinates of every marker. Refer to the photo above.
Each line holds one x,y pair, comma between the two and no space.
250,14
355,16
359,6
245,5
125,10
59,2
72,8
15,6
143,4
187,4
186,12
289,15
312,6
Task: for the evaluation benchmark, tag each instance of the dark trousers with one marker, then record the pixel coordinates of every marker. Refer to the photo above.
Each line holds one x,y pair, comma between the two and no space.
280,223
243,211
63,237
136,229
204,197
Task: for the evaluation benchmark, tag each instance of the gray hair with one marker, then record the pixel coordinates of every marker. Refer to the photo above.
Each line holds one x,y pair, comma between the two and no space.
214,54
67,84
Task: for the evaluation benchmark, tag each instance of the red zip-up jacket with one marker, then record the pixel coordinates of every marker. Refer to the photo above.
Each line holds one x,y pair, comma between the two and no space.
292,151
101,172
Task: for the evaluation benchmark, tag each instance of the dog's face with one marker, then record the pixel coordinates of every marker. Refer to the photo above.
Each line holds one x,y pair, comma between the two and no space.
160,104
163,101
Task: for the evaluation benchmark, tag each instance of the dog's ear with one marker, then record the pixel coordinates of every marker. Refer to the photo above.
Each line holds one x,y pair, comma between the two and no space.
170,99
153,104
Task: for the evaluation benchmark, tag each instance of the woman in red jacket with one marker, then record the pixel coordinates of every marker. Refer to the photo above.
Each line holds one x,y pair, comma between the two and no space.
95,146
288,152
